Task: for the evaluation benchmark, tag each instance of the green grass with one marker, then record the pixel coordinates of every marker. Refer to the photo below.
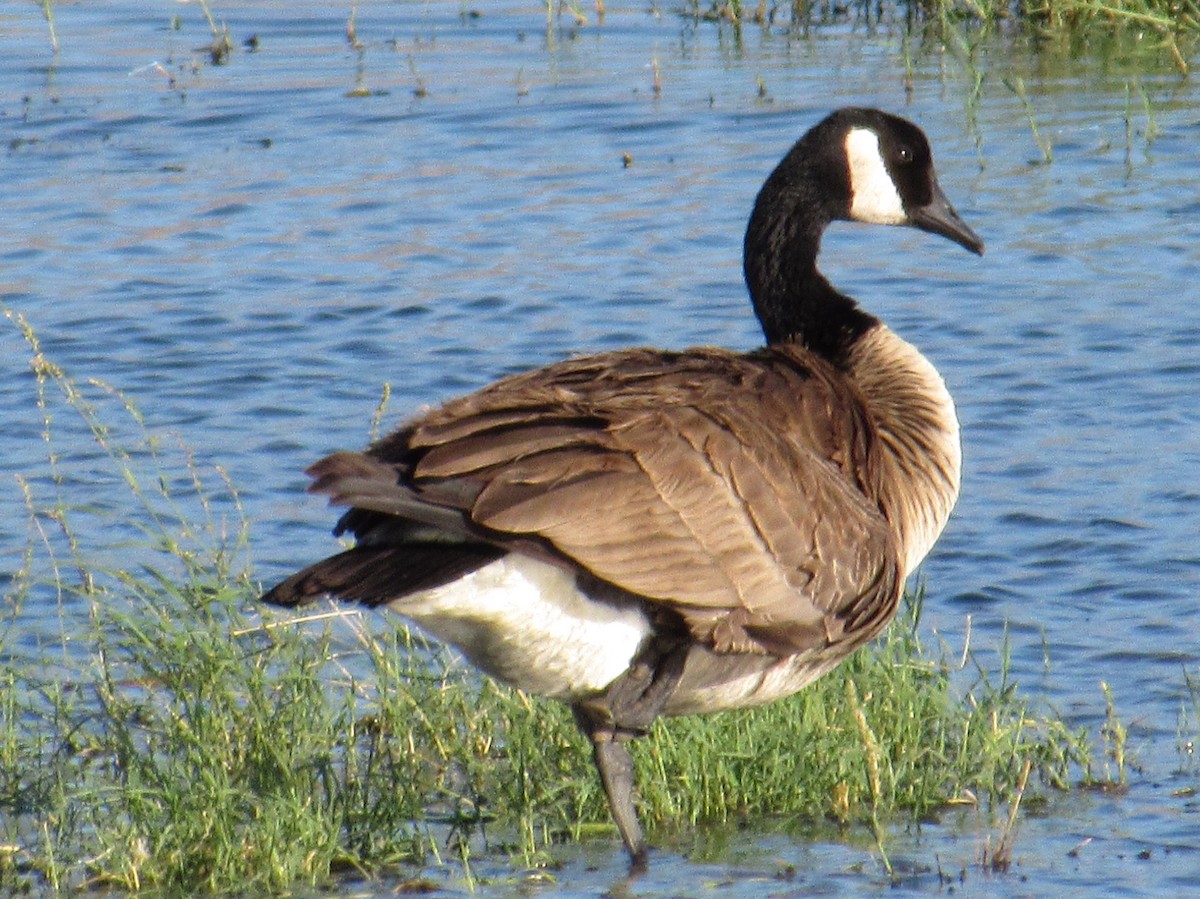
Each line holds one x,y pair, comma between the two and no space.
176,737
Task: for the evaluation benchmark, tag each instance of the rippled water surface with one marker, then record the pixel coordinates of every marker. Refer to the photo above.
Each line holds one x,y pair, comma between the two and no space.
251,251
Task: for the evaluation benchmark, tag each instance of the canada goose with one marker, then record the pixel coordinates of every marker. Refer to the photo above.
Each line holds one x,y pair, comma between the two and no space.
644,533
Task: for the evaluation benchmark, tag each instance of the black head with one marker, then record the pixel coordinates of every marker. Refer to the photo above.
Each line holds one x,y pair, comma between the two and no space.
856,164
891,178
864,165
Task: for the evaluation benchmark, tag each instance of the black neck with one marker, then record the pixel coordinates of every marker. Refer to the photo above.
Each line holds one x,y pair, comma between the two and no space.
793,301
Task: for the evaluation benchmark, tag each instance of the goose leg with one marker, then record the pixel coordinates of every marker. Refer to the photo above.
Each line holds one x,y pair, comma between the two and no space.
632,701
616,773
625,711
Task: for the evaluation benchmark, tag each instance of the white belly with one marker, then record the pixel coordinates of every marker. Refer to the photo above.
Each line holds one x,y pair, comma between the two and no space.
526,623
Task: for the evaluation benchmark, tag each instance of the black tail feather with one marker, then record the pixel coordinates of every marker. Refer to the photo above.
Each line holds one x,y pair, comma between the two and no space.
375,575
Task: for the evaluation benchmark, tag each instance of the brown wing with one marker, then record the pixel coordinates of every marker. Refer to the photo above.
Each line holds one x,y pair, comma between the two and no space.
731,488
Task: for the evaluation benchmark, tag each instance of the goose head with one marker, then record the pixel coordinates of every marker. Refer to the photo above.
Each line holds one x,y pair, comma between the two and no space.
861,165
892,179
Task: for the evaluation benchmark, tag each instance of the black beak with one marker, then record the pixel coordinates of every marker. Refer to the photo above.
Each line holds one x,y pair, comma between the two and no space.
938,217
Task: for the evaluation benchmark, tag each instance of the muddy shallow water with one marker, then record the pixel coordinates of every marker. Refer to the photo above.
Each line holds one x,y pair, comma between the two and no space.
251,250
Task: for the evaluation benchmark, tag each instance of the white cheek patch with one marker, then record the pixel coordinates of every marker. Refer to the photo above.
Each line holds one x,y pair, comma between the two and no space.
874,197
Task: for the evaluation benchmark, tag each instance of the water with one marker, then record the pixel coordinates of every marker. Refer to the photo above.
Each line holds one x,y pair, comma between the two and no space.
250,251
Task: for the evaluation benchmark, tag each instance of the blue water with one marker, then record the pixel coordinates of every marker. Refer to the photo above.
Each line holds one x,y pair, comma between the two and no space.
250,251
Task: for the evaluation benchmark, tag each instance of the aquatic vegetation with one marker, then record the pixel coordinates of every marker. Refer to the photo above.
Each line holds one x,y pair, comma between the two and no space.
1050,15
174,738
48,12
1188,723
1165,16
1151,26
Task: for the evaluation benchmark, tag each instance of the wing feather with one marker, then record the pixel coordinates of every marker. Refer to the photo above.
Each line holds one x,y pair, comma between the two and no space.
732,489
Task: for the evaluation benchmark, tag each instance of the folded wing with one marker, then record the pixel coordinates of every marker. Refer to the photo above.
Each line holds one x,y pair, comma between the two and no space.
735,490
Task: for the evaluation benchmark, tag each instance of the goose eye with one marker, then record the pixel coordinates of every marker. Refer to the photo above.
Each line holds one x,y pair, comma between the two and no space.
904,154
